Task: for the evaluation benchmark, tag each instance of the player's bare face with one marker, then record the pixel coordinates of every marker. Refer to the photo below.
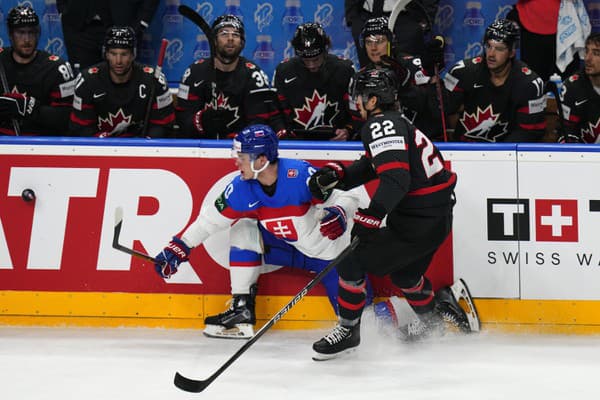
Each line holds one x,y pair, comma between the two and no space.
229,44
244,164
24,42
592,60
497,56
313,64
376,46
119,63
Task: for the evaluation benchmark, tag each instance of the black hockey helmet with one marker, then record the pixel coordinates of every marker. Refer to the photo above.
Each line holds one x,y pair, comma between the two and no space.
229,20
21,16
380,82
120,37
503,30
310,40
375,26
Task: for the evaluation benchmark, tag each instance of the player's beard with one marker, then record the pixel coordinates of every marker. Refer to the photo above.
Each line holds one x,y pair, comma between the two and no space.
27,53
227,56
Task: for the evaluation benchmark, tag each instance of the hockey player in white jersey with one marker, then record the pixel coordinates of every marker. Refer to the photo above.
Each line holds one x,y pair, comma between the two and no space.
274,220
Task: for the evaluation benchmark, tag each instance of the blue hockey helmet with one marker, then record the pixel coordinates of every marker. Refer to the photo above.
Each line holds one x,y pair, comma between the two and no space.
257,140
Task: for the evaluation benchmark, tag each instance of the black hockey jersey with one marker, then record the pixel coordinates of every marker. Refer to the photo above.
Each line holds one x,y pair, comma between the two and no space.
244,93
105,109
413,179
314,100
581,109
50,80
512,112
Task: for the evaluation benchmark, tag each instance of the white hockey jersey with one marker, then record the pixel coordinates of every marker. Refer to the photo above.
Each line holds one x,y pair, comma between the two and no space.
291,213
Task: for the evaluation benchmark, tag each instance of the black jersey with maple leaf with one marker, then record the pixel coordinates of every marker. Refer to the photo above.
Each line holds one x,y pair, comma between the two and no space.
103,108
50,80
581,109
244,94
512,112
314,100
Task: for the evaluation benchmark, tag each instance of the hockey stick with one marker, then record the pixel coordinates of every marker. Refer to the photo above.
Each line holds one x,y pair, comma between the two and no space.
196,386
438,88
197,19
117,234
553,88
157,72
398,8
5,89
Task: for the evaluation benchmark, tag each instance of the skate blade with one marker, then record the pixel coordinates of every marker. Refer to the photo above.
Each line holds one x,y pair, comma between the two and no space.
325,357
239,331
463,296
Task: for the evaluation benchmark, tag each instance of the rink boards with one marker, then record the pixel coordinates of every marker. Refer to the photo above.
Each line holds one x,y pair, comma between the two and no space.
525,229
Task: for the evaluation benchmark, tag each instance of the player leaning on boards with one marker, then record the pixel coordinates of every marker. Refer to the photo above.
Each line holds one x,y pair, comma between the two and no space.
416,194
274,220
111,97
37,86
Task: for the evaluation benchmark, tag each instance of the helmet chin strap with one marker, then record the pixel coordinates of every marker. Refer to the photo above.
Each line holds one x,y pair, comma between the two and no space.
258,171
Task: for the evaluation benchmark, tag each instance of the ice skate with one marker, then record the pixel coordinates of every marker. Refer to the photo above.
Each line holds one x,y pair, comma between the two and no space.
235,323
425,326
464,318
341,340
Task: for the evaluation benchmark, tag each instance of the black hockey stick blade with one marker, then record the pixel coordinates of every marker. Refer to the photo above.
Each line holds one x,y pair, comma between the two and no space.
117,233
200,22
197,386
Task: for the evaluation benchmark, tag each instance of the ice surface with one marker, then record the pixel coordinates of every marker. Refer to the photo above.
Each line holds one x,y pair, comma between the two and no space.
138,364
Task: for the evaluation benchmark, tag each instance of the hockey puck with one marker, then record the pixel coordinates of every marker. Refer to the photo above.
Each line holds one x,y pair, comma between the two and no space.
28,195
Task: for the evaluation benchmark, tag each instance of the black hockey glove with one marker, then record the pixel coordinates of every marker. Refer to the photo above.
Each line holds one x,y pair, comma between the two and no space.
329,177
435,51
16,105
211,122
367,221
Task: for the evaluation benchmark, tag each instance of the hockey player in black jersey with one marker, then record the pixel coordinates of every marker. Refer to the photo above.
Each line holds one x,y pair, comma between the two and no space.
496,97
111,98
416,194
580,98
416,89
39,92
313,87
218,97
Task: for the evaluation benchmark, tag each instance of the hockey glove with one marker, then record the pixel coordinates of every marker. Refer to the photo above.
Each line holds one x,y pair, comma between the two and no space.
322,182
334,224
366,222
16,105
171,257
211,122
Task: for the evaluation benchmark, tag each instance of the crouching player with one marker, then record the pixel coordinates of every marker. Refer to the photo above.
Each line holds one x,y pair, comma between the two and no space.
274,220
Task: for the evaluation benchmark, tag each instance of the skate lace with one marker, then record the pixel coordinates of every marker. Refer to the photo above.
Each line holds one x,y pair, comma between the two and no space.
338,334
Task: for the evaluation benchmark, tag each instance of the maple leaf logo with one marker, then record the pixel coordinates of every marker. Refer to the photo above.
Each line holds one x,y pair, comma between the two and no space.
483,124
221,102
591,133
316,112
115,123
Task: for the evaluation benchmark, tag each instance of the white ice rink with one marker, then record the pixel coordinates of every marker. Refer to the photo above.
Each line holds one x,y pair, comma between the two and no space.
138,364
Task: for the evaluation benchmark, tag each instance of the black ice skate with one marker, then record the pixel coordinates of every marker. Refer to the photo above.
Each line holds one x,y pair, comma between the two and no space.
464,318
341,340
447,313
235,323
